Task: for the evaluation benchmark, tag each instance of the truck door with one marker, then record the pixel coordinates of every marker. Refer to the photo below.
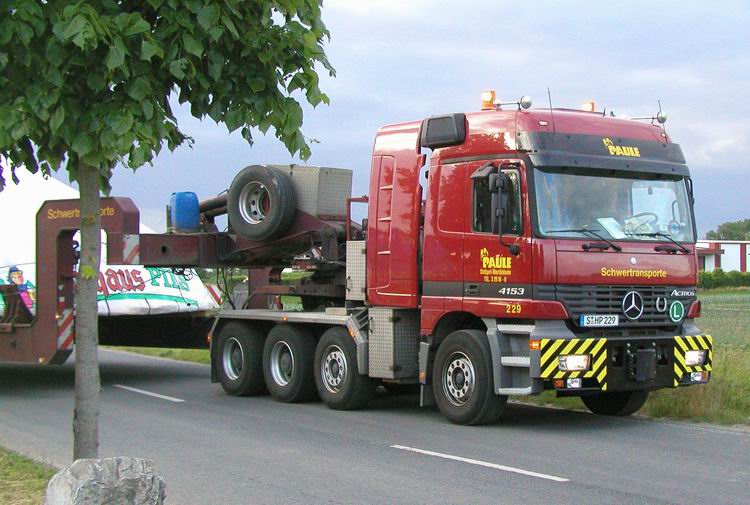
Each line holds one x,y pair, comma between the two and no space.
494,278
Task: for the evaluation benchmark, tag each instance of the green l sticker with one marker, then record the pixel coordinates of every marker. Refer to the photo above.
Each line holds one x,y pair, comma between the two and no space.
676,311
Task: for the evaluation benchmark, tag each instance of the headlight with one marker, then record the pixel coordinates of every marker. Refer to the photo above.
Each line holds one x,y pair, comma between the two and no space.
574,362
694,358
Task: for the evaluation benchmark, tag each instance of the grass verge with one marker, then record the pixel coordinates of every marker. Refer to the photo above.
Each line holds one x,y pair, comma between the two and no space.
22,480
191,355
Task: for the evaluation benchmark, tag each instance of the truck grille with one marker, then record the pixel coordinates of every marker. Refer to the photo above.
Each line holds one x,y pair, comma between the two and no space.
608,300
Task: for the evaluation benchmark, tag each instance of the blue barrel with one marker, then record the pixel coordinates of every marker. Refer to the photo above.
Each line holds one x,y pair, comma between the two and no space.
184,211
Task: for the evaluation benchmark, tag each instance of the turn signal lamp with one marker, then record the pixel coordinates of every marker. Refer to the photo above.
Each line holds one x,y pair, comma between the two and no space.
574,362
535,345
695,358
488,100
588,106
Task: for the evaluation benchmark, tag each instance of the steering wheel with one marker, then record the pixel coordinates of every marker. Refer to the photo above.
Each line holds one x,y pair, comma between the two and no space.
653,215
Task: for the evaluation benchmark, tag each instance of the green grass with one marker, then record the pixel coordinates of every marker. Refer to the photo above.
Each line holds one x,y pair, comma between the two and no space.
192,355
22,481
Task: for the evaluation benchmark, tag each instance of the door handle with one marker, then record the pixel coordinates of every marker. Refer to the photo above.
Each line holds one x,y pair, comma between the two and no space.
471,289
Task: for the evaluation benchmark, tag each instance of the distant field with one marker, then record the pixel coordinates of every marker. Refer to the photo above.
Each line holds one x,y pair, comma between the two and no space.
726,399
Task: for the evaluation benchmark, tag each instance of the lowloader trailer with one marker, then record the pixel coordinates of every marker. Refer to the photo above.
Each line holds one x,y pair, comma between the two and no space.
550,249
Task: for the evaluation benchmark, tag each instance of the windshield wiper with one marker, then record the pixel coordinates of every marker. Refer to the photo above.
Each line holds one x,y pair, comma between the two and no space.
664,235
591,232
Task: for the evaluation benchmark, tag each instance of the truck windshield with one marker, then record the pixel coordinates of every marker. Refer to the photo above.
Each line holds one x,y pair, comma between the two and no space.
645,207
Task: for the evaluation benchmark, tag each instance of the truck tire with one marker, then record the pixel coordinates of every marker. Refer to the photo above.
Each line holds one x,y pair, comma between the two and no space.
261,203
622,403
336,372
289,363
239,359
462,379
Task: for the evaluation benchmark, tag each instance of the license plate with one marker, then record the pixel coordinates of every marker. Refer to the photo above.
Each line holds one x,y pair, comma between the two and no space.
599,320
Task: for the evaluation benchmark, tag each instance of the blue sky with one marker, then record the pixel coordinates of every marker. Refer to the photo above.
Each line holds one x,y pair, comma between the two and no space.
408,59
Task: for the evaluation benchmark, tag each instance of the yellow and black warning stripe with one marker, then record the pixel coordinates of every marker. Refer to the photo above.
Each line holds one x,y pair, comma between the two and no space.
551,349
690,343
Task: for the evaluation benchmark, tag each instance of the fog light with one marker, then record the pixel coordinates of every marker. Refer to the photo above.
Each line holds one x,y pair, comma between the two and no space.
574,362
574,383
699,376
558,383
694,358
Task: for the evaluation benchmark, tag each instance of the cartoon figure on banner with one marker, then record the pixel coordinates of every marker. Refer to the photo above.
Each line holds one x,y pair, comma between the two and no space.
26,289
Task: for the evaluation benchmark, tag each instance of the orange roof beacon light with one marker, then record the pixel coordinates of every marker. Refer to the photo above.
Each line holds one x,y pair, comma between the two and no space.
589,106
488,100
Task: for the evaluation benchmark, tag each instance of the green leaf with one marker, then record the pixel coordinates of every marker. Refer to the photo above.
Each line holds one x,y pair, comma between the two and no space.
192,45
257,85
139,89
234,119
83,144
149,49
209,16
57,119
139,26
120,122
115,57
87,272
148,109
177,68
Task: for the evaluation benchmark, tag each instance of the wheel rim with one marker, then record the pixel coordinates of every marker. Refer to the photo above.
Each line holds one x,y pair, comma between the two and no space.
458,379
333,368
255,200
233,358
282,363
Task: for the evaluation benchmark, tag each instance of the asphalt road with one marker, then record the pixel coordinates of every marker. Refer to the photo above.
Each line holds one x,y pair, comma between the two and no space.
217,449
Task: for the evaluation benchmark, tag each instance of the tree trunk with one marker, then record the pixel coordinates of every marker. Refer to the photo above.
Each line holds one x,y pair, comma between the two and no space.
86,414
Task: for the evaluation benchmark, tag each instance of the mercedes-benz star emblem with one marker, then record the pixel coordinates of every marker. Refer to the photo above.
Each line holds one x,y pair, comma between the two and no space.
632,305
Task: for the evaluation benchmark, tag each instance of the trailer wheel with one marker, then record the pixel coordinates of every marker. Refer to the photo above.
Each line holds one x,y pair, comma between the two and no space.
289,363
336,372
462,379
261,203
621,403
239,359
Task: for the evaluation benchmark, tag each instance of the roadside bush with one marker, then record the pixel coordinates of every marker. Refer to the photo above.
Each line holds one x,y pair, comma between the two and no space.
721,279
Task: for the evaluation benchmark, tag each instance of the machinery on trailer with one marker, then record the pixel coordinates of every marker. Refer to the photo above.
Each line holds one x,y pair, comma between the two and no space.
553,249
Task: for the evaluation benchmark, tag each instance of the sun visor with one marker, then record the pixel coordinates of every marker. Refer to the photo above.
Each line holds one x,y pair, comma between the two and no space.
549,149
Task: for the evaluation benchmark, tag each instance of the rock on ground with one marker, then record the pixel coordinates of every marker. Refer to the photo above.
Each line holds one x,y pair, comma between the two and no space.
120,480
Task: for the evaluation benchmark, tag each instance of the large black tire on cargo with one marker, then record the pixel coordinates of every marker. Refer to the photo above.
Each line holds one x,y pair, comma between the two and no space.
261,203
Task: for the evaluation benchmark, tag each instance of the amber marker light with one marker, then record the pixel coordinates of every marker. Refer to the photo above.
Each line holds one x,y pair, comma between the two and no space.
488,100
588,106
535,345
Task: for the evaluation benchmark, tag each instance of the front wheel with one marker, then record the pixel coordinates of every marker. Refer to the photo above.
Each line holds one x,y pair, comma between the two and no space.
622,403
462,379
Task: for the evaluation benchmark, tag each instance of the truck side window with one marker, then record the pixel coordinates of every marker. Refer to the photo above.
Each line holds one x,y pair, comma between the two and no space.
482,217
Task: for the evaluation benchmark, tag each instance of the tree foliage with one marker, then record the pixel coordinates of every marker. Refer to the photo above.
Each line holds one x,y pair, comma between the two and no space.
732,230
89,82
